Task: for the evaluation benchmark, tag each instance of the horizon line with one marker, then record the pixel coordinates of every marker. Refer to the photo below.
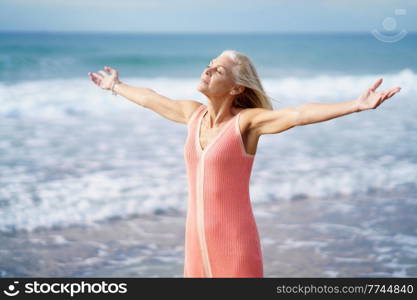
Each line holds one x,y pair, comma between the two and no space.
192,32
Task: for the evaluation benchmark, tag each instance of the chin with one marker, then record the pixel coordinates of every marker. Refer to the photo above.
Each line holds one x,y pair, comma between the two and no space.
203,91
201,88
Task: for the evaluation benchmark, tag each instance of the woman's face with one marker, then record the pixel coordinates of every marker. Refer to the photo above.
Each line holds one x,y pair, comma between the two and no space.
217,78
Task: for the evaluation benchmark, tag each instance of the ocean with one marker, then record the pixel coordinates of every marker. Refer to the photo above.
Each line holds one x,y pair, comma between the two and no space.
92,184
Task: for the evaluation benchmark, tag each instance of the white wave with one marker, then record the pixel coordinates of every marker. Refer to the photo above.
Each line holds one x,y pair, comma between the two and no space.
79,97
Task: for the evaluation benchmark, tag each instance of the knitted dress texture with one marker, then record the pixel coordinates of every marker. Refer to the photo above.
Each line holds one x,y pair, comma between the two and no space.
221,236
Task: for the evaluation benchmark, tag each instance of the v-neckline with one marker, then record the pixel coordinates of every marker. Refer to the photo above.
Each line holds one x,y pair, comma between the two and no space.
200,149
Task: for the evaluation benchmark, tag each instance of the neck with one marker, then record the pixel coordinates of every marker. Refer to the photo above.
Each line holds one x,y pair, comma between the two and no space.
219,111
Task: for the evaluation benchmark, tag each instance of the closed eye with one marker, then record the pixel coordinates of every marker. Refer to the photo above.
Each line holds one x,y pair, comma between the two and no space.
208,66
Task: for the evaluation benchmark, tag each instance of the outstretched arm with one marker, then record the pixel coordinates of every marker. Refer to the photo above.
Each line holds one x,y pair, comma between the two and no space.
265,121
173,110
319,112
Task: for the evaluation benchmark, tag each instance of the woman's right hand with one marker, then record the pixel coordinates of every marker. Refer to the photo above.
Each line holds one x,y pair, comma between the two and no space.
103,79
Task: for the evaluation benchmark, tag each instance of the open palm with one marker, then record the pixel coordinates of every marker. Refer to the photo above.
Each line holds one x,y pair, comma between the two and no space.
371,99
103,79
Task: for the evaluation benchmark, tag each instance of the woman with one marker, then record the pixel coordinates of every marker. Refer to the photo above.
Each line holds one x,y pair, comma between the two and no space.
221,237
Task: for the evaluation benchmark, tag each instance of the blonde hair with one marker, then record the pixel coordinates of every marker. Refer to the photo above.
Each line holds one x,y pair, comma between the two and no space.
245,74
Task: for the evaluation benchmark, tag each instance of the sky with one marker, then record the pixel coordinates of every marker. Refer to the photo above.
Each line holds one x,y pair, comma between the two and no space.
206,15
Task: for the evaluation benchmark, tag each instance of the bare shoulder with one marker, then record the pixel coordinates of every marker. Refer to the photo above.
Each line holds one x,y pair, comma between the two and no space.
189,107
246,120
261,121
248,117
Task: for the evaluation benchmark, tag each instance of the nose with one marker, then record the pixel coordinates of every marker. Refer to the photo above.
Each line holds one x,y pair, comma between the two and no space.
207,71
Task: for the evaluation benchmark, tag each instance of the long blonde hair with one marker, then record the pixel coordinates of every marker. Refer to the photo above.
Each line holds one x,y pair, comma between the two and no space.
245,74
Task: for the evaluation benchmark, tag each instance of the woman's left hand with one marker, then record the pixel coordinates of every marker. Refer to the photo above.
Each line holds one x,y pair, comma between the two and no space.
371,99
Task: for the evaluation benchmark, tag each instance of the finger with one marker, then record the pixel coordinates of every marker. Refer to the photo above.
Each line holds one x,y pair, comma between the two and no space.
96,79
376,84
393,92
103,73
384,95
381,97
390,94
111,70
97,75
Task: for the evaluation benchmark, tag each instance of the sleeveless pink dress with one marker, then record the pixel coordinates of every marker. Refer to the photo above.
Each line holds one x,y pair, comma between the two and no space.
221,236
